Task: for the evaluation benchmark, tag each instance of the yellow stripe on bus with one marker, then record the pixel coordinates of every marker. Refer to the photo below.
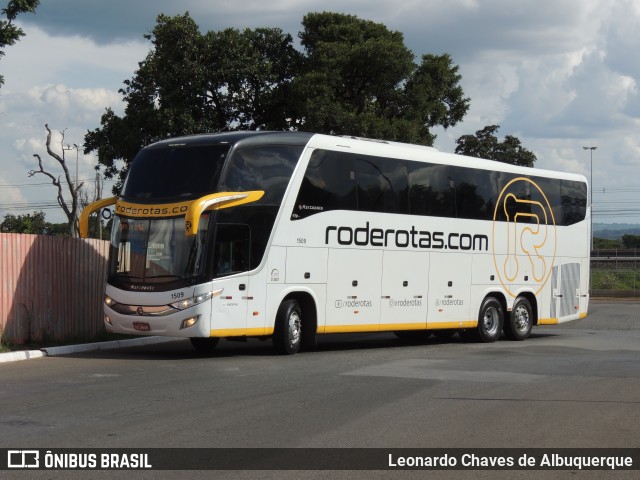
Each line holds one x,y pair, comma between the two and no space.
241,332
548,321
391,327
364,328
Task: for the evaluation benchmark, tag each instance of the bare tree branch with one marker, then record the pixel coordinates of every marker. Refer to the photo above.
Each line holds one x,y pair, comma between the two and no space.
74,189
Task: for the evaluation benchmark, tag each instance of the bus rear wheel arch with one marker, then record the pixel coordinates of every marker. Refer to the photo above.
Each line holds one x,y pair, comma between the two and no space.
519,323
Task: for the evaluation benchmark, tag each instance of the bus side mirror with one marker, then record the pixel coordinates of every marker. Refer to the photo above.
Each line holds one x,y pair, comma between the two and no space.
88,210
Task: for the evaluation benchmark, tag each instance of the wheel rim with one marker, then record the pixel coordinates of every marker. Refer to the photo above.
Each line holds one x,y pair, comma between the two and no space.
491,321
521,318
295,329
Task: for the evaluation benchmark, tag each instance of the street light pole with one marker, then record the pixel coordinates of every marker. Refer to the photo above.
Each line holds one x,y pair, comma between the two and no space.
591,149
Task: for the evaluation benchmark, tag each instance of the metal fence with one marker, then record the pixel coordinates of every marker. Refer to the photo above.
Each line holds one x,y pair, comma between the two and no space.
615,272
51,288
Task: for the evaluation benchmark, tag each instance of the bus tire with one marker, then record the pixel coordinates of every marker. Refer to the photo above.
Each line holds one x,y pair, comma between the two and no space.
490,320
518,325
204,345
287,334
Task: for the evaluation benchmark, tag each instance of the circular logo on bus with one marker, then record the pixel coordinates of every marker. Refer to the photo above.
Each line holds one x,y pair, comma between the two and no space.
524,236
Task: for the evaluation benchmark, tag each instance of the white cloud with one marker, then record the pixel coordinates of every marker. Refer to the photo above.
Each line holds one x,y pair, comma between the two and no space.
66,82
10,195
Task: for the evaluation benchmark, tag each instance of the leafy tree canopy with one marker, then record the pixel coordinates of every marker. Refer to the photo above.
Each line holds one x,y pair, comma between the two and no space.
359,78
9,32
484,144
36,224
28,223
631,241
353,77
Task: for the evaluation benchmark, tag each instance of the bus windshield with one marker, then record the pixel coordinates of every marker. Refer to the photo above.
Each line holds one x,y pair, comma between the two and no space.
156,250
175,172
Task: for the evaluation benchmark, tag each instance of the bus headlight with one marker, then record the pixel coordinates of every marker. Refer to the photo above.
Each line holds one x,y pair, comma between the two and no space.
109,302
190,302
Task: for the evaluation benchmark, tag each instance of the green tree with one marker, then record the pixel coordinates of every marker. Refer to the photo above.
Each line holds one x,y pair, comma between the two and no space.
9,32
358,78
192,83
28,223
485,144
354,77
631,241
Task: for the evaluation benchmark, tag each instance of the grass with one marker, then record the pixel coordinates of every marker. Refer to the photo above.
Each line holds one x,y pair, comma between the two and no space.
5,346
605,279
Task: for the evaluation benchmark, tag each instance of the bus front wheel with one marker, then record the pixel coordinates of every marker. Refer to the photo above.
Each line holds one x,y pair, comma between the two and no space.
518,325
287,334
490,320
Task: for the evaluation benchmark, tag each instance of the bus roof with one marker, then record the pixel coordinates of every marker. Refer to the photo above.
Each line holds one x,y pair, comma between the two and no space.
365,146
237,138
423,153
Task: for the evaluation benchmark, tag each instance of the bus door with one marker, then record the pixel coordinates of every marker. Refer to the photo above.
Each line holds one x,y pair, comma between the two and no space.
231,260
405,287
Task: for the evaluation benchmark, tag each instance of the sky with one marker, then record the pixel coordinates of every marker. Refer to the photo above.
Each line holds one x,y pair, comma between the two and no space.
558,74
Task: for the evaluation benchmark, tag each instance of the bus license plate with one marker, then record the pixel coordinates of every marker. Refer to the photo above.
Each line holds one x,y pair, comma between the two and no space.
141,326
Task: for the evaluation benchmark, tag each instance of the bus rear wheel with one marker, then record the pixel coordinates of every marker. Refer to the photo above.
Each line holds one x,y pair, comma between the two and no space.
518,325
204,344
287,334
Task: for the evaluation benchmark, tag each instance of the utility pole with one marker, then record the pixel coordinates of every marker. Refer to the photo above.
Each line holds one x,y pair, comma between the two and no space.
591,149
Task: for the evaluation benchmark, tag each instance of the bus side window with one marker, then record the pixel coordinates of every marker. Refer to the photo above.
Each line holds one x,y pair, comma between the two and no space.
232,249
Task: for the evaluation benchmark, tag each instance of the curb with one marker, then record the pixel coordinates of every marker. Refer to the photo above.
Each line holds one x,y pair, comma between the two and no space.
20,355
86,347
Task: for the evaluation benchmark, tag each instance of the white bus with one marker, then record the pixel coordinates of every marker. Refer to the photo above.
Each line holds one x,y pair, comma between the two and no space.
290,235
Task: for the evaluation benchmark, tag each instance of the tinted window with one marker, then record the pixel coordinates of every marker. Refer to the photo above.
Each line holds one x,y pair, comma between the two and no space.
231,250
574,201
382,185
551,189
175,173
259,219
266,168
329,184
431,190
343,181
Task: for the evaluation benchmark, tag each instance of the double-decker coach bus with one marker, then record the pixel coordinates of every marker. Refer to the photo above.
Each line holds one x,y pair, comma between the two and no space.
290,235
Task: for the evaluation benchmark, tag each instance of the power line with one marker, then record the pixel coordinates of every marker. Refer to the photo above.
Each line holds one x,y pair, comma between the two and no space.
27,185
